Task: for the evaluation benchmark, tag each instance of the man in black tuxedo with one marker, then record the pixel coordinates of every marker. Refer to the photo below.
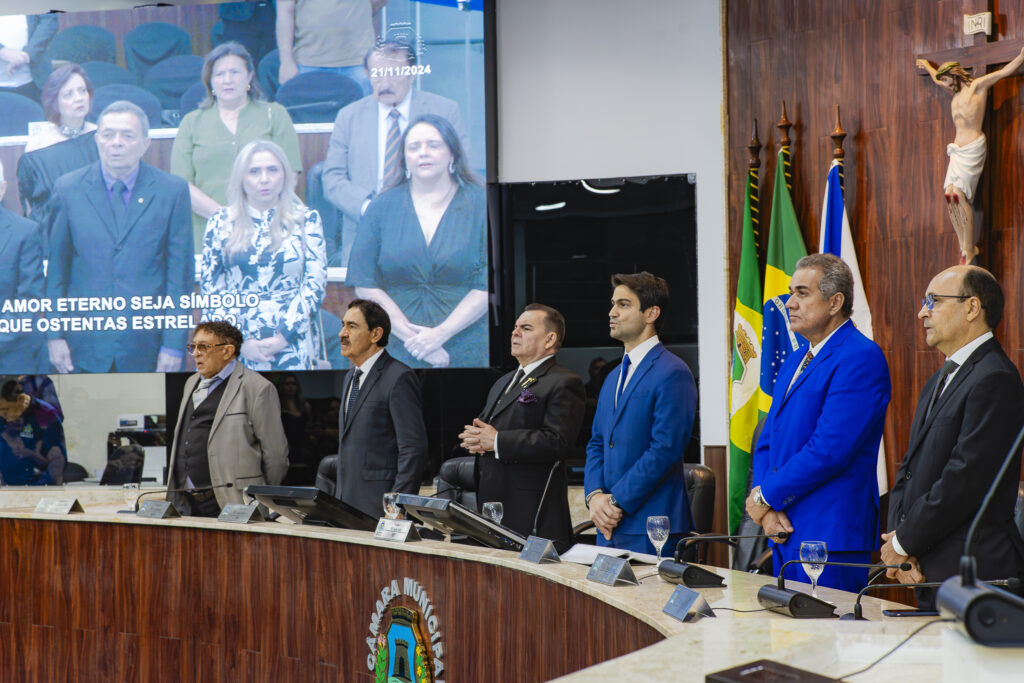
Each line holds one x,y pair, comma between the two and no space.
966,420
382,440
529,423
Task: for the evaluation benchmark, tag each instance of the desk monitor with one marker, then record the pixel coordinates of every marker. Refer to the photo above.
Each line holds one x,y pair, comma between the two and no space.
309,505
448,517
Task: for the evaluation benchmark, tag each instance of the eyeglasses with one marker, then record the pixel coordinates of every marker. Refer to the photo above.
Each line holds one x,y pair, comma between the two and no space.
929,299
193,349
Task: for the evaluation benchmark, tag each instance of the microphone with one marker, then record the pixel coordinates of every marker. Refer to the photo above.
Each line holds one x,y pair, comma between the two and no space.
694,540
799,605
194,489
990,616
1012,583
540,506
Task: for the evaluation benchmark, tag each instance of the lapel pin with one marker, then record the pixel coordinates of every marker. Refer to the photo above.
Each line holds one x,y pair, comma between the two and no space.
140,200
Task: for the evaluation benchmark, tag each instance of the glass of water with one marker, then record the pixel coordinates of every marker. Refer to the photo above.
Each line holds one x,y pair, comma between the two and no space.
813,555
391,508
657,531
494,511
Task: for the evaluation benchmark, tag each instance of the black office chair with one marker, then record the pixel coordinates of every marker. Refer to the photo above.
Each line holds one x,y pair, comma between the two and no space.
109,94
105,73
168,79
150,43
316,97
78,44
327,474
18,112
190,99
457,481
267,74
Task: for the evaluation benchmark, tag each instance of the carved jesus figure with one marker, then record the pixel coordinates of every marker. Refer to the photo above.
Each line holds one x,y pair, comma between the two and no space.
967,151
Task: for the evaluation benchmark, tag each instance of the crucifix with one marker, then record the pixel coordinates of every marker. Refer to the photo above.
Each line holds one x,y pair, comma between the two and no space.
970,103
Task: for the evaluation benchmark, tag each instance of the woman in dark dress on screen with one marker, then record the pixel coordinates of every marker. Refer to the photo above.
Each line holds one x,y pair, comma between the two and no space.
65,145
421,252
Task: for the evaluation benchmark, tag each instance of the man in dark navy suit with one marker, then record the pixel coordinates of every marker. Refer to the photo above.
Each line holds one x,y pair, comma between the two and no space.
120,228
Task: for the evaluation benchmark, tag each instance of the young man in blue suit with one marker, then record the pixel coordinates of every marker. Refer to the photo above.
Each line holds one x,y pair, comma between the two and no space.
644,418
120,228
815,463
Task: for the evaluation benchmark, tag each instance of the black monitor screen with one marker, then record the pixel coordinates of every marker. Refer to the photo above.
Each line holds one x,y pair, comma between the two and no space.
309,505
448,517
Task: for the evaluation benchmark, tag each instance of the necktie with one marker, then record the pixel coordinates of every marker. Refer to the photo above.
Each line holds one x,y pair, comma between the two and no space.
353,391
623,373
515,380
202,391
117,201
392,167
807,361
947,369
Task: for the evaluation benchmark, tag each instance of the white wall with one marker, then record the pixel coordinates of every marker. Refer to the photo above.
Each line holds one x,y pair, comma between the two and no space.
607,88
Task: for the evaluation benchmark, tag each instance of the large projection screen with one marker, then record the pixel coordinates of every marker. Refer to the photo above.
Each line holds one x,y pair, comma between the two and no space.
90,287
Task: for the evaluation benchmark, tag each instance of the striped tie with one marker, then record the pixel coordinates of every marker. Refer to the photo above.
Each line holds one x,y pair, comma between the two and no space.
392,166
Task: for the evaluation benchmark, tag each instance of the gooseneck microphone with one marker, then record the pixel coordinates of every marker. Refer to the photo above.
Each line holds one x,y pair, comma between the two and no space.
799,605
543,496
1012,583
686,542
990,616
191,489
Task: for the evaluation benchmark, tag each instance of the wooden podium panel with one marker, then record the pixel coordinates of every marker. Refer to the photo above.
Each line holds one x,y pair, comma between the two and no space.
180,601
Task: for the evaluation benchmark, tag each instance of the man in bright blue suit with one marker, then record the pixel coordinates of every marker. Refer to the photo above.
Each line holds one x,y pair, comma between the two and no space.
644,418
120,228
815,463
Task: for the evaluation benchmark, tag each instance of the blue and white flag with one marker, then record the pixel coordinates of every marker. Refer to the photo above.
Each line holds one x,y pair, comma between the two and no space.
836,238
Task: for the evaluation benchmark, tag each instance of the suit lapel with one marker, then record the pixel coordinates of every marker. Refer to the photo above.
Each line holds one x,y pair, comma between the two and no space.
365,387
507,399
840,335
98,197
138,204
638,375
234,383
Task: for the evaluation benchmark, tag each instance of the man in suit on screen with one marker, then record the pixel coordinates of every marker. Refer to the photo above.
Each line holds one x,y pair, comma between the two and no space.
530,423
643,423
21,278
363,156
815,465
966,420
120,229
383,439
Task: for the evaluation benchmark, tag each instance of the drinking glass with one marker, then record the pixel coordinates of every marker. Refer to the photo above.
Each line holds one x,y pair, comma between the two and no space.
813,555
495,511
391,509
131,493
657,531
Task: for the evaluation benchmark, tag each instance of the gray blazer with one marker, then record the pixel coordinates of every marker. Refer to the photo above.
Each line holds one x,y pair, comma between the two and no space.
350,170
383,442
246,443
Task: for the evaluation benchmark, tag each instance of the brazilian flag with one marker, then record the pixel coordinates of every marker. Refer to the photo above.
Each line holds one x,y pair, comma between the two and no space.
746,356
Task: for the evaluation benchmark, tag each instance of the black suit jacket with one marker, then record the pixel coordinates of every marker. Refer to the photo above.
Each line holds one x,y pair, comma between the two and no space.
537,426
21,277
383,442
952,459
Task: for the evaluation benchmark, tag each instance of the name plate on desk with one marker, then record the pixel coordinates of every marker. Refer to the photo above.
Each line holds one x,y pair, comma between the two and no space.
397,530
611,571
539,551
240,513
686,604
58,506
158,509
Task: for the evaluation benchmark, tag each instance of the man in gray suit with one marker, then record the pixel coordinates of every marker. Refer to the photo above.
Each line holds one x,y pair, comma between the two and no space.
383,441
229,427
363,156
120,228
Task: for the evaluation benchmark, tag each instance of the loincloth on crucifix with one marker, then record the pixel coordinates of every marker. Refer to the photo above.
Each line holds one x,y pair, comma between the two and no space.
965,166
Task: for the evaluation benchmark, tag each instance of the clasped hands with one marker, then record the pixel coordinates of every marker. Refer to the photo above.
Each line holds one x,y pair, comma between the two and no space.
478,437
427,344
264,350
890,556
604,515
772,521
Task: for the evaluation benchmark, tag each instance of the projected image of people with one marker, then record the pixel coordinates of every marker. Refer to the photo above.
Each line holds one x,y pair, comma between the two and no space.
32,447
420,252
232,115
267,244
65,144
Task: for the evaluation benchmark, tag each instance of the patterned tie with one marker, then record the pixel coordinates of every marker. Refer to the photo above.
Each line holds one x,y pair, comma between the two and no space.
353,391
947,369
117,202
623,372
392,167
807,361
202,391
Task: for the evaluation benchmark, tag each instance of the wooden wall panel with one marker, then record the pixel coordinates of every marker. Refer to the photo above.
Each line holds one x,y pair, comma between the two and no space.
861,54
124,602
